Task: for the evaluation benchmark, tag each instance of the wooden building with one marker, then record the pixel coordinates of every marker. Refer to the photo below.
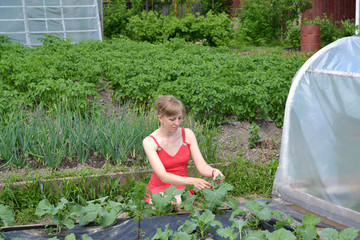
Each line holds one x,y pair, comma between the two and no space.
338,9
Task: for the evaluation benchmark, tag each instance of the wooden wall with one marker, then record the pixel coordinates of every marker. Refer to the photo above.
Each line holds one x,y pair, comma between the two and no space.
234,7
339,9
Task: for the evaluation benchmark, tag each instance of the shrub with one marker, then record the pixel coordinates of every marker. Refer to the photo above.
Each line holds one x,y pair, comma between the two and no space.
219,6
264,22
116,15
157,28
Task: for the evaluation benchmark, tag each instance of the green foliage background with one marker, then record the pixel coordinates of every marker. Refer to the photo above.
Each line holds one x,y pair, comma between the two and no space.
213,83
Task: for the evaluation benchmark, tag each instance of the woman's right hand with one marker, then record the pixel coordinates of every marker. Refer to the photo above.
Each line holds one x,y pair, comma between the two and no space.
201,183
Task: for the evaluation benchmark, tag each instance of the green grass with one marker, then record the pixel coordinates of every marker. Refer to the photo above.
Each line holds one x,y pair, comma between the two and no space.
249,178
67,135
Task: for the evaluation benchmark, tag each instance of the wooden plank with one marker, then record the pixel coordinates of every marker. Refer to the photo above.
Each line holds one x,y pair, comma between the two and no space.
328,210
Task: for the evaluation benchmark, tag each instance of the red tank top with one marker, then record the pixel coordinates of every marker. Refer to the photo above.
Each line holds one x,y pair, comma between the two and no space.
177,164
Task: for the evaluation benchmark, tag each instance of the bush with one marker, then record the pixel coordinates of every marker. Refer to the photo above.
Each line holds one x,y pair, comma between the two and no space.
330,30
152,27
265,22
257,24
292,37
117,14
219,6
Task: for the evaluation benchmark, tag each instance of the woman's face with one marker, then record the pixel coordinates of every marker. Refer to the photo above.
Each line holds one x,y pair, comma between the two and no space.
172,123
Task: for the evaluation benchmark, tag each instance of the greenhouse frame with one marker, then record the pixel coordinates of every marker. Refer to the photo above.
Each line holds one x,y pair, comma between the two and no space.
28,21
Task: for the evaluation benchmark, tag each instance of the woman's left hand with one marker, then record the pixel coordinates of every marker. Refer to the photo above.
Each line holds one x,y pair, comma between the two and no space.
216,173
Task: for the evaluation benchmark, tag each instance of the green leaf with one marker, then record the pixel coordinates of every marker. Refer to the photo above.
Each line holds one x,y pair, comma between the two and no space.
254,205
69,224
163,235
182,236
308,233
216,223
88,214
161,202
206,217
282,234
257,235
311,220
108,219
239,224
348,234
188,227
44,207
85,237
264,214
70,237
99,200
233,202
227,233
60,205
329,234
7,215
173,191
282,223
226,185
187,201
237,212
215,198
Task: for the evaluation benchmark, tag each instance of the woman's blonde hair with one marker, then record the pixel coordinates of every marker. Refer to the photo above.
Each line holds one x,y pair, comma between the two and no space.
168,105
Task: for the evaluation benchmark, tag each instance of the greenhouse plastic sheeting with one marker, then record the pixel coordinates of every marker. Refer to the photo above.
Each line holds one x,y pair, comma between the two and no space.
319,167
26,21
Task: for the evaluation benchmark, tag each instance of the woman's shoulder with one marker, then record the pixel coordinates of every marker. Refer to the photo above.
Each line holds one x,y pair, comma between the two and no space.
189,134
149,138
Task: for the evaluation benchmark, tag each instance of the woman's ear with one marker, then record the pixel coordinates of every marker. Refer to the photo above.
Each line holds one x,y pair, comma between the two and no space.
160,117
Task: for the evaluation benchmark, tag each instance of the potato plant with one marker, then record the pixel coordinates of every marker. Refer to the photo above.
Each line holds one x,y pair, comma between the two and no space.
214,83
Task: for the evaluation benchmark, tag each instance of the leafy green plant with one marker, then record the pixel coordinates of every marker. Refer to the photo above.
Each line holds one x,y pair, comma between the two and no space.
257,16
292,37
258,212
6,216
212,29
332,234
72,236
255,136
201,224
329,30
137,208
233,231
348,27
164,203
117,14
100,211
220,6
216,196
62,215
175,235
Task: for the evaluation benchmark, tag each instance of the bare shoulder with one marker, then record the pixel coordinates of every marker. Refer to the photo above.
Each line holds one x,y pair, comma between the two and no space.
190,135
149,142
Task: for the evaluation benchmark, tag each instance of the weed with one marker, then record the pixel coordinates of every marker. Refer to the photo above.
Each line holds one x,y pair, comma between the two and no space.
255,136
249,177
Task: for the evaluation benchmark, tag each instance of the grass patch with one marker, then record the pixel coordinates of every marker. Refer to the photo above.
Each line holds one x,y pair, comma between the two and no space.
249,178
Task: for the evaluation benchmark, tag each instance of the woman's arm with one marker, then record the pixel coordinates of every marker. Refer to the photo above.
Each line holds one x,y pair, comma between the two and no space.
204,169
150,148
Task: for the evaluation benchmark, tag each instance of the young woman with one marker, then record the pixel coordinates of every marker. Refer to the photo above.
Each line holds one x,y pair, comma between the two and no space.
169,149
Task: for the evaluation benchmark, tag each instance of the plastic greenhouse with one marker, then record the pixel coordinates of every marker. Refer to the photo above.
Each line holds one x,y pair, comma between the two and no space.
319,168
26,21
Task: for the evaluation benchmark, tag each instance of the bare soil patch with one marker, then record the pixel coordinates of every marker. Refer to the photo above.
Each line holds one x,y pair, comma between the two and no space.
233,141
